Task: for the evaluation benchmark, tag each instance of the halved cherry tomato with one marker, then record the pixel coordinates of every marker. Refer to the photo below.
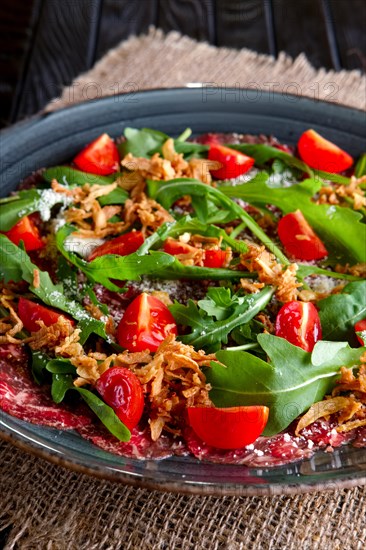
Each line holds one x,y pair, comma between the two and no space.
122,246
30,312
145,324
99,157
360,326
214,258
211,257
25,230
233,162
299,239
173,247
299,324
230,428
321,154
121,390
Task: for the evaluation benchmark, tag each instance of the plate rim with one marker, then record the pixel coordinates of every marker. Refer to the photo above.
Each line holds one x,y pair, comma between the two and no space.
21,441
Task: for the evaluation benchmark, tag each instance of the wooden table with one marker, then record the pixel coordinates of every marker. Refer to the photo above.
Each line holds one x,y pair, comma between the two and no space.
44,44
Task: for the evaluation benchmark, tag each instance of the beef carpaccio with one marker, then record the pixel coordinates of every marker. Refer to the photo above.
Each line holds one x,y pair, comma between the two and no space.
175,296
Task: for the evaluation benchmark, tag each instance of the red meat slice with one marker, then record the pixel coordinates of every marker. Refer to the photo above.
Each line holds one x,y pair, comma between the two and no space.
140,445
22,398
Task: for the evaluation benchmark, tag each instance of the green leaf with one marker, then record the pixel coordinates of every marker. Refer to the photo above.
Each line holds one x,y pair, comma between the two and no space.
360,168
289,384
140,142
60,384
170,191
66,175
16,265
264,153
38,366
27,202
209,334
335,178
117,196
60,366
340,228
339,313
106,415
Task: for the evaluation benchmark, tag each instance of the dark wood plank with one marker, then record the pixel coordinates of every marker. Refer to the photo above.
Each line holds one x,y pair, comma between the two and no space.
195,18
121,18
242,24
349,23
16,24
64,47
300,27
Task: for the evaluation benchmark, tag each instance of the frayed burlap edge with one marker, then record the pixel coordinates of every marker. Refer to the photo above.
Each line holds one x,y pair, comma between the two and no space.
156,60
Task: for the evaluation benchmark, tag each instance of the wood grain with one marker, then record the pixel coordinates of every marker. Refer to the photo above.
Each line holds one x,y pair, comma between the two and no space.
63,48
349,24
242,24
121,18
195,18
300,27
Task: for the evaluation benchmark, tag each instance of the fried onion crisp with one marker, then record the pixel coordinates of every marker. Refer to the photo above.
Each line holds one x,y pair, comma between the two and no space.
149,212
11,325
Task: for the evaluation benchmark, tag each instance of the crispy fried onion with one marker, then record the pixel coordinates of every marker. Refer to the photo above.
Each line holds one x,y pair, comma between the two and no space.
10,325
148,212
357,270
270,272
169,166
336,194
349,410
57,336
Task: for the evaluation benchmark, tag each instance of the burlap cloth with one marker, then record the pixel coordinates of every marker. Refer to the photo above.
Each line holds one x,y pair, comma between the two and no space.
45,506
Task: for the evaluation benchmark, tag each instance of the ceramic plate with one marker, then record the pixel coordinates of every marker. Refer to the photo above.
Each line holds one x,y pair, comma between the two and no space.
55,138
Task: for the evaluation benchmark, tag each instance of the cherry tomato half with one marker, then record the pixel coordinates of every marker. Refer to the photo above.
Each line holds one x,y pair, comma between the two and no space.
234,163
30,312
230,428
360,326
299,324
299,239
145,324
99,157
121,389
321,154
26,230
211,257
122,246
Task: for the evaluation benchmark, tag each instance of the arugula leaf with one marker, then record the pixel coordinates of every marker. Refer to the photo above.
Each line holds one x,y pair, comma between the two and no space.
289,384
339,313
170,191
60,366
117,196
360,168
38,365
340,228
263,153
61,383
106,415
71,176
209,334
27,202
16,265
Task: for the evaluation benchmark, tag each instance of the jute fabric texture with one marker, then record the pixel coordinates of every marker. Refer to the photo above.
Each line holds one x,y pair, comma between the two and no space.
46,506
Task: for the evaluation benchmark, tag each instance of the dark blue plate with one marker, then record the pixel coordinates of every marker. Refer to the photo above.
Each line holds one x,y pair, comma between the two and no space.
55,138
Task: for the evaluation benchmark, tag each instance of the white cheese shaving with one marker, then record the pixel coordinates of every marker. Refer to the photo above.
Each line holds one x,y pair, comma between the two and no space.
83,247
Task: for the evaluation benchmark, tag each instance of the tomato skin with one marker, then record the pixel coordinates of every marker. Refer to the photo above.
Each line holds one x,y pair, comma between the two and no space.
26,230
121,389
299,239
229,428
214,258
360,326
321,154
211,257
30,312
122,246
145,324
173,247
99,157
234,163
299,324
